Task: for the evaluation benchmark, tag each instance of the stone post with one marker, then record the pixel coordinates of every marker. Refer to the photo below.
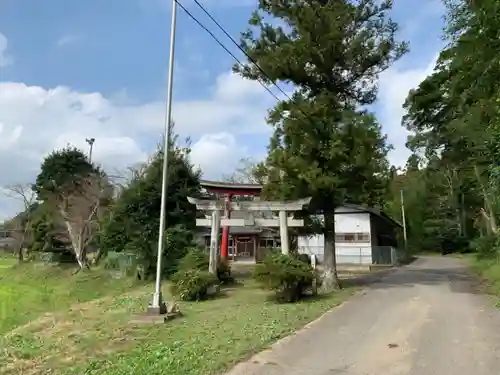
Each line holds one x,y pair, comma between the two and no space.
284,232
214,242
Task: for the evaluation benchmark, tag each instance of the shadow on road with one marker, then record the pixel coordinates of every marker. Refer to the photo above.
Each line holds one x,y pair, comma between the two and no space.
425,271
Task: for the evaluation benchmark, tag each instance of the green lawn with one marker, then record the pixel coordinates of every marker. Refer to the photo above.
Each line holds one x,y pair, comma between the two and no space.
80,324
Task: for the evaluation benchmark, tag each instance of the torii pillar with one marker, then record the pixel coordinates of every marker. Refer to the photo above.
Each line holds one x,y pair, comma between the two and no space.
224,249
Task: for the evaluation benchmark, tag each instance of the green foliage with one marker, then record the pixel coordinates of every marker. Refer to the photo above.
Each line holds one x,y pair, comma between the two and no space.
486,247
192,285
323,144
224,272
195,259
454,115
198,259
63,170
133,220
287,275
45,236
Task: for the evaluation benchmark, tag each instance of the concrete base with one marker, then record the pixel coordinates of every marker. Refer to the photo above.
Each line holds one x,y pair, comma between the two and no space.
155,315
157,310
213,290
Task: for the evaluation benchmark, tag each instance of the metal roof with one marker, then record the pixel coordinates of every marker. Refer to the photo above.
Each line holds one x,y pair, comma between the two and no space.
371,210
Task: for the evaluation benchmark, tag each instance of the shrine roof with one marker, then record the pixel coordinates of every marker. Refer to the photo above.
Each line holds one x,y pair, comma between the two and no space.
229,187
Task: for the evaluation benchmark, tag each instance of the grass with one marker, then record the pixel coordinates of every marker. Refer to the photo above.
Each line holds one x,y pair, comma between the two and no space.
53,322
488,270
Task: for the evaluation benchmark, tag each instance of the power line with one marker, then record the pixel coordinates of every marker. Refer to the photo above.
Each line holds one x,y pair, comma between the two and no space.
246,54
252,60
217,40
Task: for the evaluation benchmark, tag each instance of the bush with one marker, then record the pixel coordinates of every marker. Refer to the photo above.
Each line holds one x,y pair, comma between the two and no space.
485,246
306,258
286,275
195,259
192,285
224,272
199,259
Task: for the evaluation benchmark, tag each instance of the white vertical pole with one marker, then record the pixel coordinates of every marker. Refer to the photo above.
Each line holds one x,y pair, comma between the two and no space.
284,232
214,242
403,217
157,304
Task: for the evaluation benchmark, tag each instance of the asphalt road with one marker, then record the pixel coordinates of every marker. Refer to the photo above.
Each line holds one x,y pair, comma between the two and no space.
422,319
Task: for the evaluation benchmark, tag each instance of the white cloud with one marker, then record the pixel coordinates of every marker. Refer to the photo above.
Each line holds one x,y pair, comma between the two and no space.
395,83
5,58
35,120
69,39
216,152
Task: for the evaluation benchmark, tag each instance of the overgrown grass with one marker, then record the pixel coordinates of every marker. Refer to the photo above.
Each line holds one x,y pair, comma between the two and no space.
488,270
57,323
28,290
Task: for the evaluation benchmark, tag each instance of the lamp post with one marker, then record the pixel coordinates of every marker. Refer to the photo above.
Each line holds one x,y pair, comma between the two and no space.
158,305
90,141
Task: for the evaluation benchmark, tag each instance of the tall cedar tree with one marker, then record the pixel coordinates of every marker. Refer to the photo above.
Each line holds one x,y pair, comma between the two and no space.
323,146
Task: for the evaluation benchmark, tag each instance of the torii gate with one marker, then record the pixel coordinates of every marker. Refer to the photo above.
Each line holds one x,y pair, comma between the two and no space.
283,221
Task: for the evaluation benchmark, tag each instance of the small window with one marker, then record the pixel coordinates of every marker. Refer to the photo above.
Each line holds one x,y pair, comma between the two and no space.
267,243
363,237
349,237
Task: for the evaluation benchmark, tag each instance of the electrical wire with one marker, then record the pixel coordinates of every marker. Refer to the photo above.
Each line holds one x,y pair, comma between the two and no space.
252,60
217,40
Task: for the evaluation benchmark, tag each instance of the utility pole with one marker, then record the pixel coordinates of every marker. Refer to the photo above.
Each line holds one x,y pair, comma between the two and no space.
90,141
158,306
403,217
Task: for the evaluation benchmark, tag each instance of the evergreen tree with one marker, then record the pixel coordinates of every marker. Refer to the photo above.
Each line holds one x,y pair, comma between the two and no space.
133,222
323,145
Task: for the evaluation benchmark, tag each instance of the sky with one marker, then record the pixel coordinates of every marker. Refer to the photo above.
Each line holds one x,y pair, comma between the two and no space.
71,70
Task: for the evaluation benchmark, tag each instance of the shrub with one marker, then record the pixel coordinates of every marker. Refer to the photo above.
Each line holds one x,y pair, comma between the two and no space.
286,275
195,259
306,258
485,246
224,272
192,285
199,259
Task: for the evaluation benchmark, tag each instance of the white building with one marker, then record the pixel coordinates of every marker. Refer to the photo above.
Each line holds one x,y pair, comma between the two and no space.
363,236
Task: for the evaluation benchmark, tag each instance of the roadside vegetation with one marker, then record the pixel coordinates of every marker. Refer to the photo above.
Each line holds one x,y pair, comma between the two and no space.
451,183
82,324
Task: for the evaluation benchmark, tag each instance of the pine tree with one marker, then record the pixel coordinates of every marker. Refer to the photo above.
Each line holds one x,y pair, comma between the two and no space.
323,145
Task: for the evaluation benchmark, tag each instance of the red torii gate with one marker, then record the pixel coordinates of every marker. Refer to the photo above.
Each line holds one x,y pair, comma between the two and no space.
228,191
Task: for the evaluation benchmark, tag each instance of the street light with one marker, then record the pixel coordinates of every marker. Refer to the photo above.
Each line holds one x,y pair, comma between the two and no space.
90,141
157,305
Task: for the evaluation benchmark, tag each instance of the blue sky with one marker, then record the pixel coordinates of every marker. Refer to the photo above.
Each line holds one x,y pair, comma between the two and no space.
98,68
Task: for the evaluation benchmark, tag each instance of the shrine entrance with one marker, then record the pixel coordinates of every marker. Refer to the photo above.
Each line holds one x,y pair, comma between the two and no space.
246,246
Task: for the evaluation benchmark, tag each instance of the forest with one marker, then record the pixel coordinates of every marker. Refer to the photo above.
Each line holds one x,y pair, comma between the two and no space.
451,182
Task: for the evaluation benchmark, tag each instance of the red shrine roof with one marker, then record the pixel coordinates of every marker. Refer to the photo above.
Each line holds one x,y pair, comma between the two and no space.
231,188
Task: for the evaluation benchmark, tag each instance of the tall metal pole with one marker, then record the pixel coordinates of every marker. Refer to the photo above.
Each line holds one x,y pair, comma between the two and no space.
90,141
157,305
403,216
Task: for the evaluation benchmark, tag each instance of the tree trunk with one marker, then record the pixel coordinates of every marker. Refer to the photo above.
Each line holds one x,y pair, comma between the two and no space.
490,215
20,255
77,244
330,279
98,257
